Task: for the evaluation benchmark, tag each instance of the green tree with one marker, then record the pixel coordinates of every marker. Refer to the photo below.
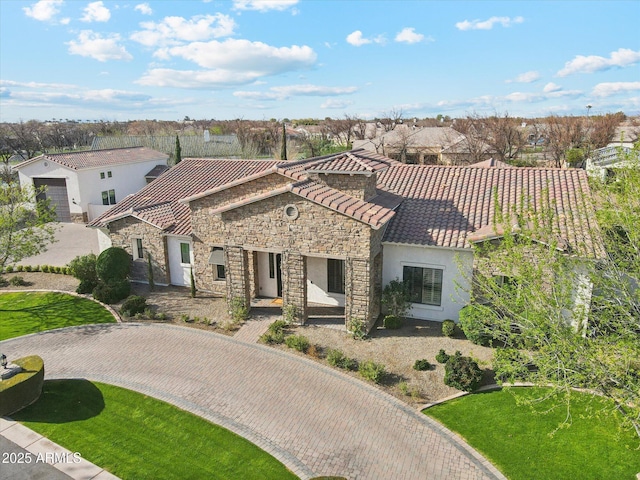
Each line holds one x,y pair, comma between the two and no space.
24,231
178,155
283,147
571,311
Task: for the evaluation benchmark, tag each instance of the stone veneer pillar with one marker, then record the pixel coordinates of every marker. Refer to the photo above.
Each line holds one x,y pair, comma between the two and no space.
358,292
294,284
236,261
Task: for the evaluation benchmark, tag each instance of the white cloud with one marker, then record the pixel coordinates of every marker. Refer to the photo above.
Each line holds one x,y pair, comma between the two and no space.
44,10
623,57
551,87
336,104
409,35
96,12
284,92
607,89
91,44
177,30
488,24
144,9
263,5
527,77
244,56
167,77
357,40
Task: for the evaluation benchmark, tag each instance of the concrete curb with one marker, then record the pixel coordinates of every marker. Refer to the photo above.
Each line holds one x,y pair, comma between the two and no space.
44,450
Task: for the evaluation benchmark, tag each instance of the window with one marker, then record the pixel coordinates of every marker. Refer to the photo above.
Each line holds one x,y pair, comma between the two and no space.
109,197
138,251
272,265
216,259
101,175
335,275
425,284
185,256
109,174
220,272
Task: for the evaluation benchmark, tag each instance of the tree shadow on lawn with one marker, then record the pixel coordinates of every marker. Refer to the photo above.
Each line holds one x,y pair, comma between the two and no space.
64,401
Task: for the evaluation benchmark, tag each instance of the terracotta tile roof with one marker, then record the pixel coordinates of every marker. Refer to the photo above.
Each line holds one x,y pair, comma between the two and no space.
190,177
100,158
443,205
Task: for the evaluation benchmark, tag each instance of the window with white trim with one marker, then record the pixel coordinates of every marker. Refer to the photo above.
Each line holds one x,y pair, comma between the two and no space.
185,253
109,197
424,284
138,250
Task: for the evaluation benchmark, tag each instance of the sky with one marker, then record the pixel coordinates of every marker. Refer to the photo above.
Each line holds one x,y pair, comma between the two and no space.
262,59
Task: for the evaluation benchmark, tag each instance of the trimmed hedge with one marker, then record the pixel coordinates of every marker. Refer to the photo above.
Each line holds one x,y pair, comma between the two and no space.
133,305
392,322
110,293
113,265
24,388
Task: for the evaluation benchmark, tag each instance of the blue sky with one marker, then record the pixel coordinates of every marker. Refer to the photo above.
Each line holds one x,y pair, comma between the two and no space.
262,59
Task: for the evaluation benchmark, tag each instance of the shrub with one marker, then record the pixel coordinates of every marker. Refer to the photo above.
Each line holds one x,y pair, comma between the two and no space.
395,297
278,326
9,269
404,388
297,342
392,322
44,268
272,338
19,268
84,269
3,282
185,318
476,321
85,287
134,304
113,265
239,311
289,313
161,316
337,358
110,293
17,281
448,328
372,371
313,351
27,268
442,356
422,365
462,373
358,328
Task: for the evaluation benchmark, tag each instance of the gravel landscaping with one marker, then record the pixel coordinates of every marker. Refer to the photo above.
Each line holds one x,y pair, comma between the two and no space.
397,350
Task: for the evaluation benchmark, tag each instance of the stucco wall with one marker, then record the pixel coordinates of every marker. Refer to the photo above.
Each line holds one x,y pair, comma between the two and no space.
453,298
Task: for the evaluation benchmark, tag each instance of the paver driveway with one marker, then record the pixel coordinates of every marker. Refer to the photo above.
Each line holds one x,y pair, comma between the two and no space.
315,420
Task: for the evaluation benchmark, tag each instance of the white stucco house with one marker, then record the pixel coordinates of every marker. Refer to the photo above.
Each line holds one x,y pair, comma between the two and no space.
331,230
83,185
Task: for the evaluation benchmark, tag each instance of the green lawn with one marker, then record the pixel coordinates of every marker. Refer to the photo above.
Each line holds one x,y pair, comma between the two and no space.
136,437
30,312
518,441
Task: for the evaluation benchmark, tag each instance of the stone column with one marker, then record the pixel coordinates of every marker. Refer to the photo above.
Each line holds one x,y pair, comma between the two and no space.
358,292
294,284
236,264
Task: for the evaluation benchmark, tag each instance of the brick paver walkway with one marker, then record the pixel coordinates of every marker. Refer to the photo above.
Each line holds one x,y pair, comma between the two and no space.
315,420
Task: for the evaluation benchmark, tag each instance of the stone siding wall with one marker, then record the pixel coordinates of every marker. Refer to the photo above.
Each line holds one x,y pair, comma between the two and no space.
207,228
237,274
124,230
294,280
357,185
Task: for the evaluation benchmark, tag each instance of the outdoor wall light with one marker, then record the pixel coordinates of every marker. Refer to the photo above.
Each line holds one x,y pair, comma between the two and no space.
3,360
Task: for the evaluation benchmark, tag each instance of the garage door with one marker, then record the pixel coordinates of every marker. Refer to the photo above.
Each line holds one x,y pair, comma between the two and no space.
56,193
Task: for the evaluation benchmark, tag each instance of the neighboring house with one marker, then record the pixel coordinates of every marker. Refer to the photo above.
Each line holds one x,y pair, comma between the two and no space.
83,185
330,230
603,162
420,145
206,145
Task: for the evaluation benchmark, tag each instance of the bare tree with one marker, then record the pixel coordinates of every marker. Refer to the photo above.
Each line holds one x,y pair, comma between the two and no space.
563,134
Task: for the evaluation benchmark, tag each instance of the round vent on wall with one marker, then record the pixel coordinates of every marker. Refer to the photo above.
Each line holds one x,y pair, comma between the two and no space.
291,212
46,164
